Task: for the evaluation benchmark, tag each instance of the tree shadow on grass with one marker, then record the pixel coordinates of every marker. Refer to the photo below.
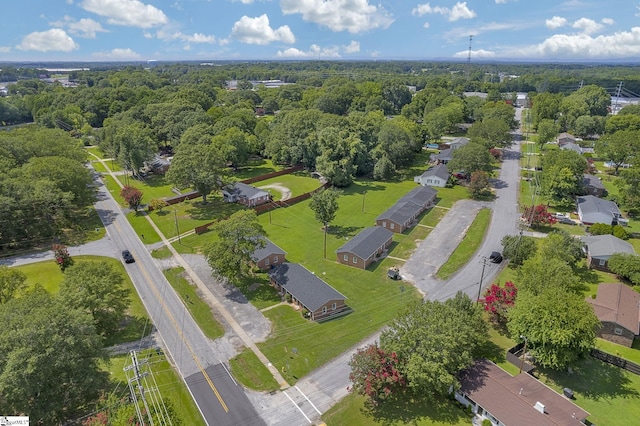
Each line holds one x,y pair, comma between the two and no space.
407,408
491,351
343,231
593,379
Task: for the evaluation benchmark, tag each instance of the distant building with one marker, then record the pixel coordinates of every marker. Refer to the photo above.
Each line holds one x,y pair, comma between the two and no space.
247,195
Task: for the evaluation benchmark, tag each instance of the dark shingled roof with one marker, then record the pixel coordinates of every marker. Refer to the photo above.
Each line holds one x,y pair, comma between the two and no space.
243,190
268,249
307,288
593,181
511,399
401,212
367,242
605,245
421,195
439,170
597,210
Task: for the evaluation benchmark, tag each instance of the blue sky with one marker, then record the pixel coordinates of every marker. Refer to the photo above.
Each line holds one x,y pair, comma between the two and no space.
102,30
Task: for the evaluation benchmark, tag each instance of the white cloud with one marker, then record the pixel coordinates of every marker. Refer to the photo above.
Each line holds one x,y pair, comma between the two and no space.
425,25
353,47
607,21
555,22
354,16
618,45
243,1
501,1
459,11
54,39
258,31
588,26
121,54
131,13
480,53
314,51
5,49
86,28
190,38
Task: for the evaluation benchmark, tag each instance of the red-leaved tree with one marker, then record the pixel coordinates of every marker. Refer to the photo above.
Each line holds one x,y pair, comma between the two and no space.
62,257
538,216
497,300
374,373
132,195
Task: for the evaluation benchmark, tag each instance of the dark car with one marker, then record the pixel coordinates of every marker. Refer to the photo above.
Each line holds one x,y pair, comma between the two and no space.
495,257
565,220
127,256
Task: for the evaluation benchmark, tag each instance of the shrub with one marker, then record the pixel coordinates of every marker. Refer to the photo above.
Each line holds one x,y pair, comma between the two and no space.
600,229
620,232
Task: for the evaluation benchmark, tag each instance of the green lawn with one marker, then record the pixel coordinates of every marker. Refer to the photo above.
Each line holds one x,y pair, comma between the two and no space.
199,309
631,354
468,246
298,183
257,167
251,372
49,276
169,384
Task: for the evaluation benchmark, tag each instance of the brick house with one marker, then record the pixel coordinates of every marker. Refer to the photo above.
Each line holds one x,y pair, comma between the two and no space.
247,195
406,210
365,248
565,138
617,308
521,400
593,185
599,248
307,291
268,256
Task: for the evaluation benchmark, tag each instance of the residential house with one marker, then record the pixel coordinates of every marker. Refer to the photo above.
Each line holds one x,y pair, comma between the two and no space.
593,185
570,146
245,194
159,165
592,209
308,291
406,210
447,154
437,175
520,400
564,138
599,248
617,306
268,256
365,248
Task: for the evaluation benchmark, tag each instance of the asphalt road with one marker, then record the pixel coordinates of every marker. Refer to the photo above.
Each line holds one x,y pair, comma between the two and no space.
219,399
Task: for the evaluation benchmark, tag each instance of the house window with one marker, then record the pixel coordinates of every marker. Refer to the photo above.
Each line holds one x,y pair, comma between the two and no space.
602,262
324,309
266,261
391,225
275,259
355,259
346,257
618,331
333,306
384,224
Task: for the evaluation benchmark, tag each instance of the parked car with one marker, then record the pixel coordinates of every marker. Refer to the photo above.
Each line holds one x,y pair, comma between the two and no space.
460,174
495,257
127,256
565,220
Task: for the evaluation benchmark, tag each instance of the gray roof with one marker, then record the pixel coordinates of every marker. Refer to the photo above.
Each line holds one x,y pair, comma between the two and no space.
458,142
421,195
307,288
401,212
242,190
445,154
572,147
606,245
268,249
597,210
438,171
367,242
593,181
566,135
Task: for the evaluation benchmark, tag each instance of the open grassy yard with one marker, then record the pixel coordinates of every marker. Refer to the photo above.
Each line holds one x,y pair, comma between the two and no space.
257,167
251,372
298,183
169,384
49,276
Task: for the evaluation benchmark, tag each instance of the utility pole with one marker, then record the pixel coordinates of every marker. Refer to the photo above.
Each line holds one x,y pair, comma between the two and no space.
484,264
524,352
615,106
144,393
175,216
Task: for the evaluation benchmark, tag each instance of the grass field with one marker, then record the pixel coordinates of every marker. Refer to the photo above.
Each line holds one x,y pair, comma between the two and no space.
200,311
299,183
248,370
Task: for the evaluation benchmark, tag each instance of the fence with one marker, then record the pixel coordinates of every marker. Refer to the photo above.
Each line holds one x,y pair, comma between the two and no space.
289,202
615,360
516,360
274,174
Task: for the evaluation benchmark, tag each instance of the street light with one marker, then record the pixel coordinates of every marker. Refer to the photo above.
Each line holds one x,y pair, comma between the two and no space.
524,352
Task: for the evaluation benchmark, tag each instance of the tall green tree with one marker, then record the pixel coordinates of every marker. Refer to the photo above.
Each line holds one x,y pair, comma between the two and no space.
547,131
471,158
434,341
199,165
97,288
559,244
560,326
336,162
619,148
325,206
12,283
239,236
538,273
518,248
491,132
629,187
50,359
